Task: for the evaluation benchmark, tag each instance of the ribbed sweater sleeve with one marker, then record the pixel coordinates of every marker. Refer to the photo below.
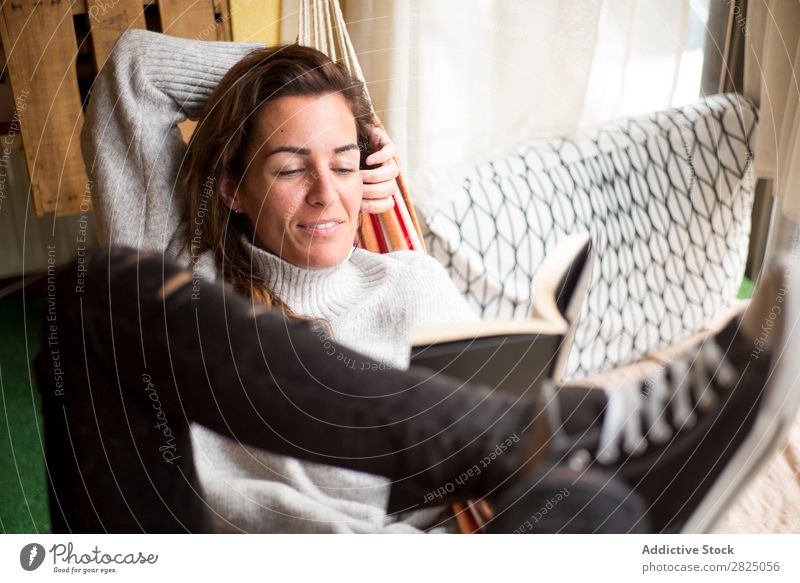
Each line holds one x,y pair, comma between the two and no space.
131,144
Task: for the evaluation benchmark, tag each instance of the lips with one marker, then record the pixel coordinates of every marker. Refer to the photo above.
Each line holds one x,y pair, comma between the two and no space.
321,228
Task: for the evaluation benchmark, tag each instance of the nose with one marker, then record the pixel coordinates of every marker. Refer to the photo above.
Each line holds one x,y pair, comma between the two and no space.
321,188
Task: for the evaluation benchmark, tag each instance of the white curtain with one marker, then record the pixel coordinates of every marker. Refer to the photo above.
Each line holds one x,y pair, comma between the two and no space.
289,14
458,81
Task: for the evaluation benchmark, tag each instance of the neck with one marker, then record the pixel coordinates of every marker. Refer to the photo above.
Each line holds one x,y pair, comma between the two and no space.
314,292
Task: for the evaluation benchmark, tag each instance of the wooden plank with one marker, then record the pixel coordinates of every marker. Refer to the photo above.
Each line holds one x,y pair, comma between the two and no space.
187,129
79,6
188,18
108,20
224,22
40,46
256,21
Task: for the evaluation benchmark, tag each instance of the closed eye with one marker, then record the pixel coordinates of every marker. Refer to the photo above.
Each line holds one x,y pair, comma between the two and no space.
289,172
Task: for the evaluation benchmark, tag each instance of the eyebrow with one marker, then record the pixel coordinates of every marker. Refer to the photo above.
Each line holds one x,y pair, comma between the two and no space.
306,151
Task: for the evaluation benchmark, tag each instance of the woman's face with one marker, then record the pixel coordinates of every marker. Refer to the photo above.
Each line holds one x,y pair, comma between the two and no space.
302,187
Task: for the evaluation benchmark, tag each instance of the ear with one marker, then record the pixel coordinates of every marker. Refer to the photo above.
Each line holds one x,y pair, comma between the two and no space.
227,190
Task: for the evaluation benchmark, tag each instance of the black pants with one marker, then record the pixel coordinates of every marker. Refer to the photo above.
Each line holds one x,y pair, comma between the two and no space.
134,348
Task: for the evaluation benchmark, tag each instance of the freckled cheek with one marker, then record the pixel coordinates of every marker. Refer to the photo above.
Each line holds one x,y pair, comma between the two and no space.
353,197
284,202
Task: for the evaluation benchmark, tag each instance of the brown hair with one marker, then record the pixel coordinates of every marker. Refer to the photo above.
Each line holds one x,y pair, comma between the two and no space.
219,144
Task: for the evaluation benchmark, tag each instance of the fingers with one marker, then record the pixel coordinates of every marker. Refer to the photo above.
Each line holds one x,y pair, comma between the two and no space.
379,198
383,145
380,190
384,173
377,206
380,186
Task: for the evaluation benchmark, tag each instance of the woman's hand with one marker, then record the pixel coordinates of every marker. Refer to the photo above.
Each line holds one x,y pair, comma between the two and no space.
379,183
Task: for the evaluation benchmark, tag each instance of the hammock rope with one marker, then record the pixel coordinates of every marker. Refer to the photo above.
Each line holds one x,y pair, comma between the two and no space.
321,26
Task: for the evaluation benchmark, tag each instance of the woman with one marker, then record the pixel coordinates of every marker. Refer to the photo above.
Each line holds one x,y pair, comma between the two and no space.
282,139
275,192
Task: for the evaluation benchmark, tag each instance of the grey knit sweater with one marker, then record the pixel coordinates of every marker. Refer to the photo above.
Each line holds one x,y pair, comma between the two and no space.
133,152
372,302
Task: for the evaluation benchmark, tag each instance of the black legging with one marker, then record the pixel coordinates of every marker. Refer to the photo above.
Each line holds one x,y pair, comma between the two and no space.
134,348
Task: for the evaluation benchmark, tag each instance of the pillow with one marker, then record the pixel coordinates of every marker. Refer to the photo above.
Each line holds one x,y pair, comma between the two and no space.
666,198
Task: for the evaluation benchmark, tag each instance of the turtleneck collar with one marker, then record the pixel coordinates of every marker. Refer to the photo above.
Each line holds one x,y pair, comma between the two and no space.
319,293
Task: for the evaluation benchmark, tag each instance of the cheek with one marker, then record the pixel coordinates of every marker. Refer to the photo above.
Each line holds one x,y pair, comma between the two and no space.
284,202
275,203
353,197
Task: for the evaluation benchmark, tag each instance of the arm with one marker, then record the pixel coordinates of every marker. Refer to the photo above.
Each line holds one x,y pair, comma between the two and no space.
131,145
429,292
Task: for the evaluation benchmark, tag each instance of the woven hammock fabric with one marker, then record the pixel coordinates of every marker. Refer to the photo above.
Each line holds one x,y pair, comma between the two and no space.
321,26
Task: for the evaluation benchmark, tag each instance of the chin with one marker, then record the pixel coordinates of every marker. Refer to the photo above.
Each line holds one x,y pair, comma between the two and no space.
325,262
324,258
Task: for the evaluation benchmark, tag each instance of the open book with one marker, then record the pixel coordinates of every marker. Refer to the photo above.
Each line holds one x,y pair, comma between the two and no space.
516,355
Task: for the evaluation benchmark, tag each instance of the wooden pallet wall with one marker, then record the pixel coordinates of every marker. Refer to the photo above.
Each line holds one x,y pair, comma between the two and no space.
40,46
108,20
39,41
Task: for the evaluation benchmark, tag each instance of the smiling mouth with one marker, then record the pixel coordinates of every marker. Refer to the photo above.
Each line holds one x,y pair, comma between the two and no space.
321,227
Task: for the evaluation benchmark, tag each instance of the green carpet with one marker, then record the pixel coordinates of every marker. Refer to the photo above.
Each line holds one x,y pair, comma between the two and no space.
746,290
23,487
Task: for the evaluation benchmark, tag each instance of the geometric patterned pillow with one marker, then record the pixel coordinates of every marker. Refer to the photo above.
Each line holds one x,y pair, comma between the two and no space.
666,199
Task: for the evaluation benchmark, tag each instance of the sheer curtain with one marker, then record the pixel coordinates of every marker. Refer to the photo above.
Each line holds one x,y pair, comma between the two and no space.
458,81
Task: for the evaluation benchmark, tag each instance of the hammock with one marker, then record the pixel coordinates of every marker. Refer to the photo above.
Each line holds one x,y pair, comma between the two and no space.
322,27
